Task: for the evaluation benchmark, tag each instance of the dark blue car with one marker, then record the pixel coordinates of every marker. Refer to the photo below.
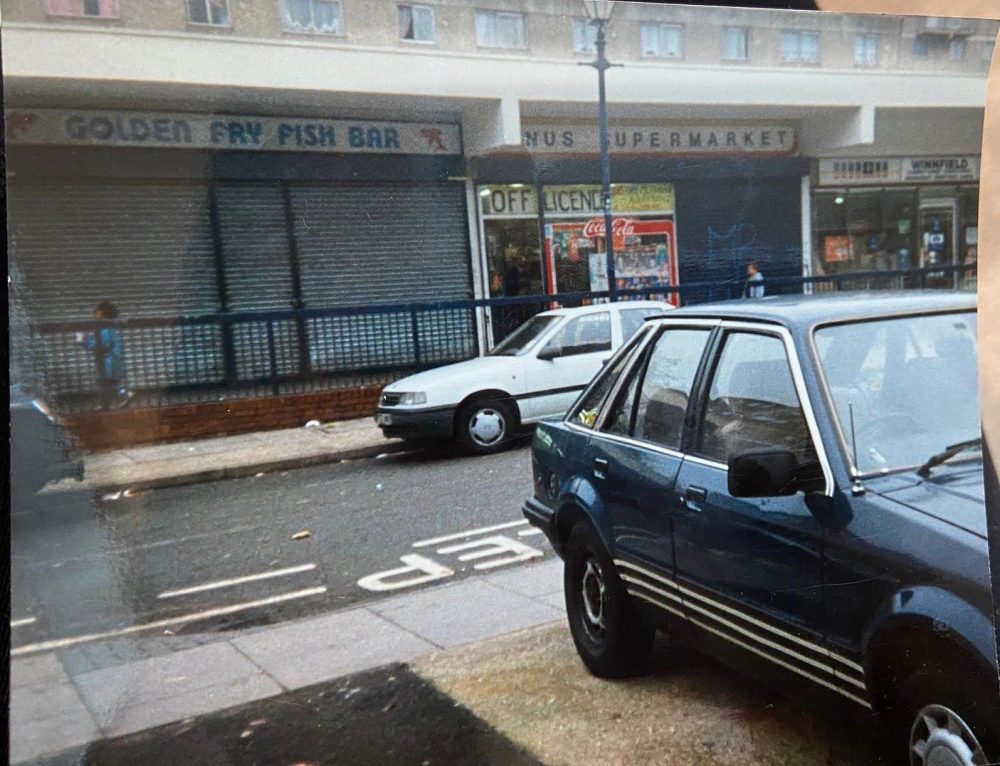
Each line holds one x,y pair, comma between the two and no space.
798,480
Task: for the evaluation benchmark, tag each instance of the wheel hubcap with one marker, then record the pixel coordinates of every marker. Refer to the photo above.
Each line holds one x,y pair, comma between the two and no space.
486,427
593,592
941,738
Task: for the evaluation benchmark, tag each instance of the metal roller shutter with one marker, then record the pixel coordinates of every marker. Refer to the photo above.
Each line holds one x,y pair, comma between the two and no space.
368,244
145,247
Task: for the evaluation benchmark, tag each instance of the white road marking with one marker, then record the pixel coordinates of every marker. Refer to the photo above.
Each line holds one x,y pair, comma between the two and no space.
415,563
236,581
493,546
529,532
62,643
22,622
470,533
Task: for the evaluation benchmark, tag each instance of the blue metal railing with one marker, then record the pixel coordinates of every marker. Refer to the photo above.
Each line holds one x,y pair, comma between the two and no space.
269,353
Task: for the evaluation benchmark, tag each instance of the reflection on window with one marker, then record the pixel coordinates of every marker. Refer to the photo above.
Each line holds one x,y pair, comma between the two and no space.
956,49
214,12
799,47
587,334
499,30
921,48
324,16
661,40
97,8
416,23
752,403
632,320
735,46
666,386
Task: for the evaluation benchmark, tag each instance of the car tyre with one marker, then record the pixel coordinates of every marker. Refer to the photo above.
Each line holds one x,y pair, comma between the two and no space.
484,426
949,716
611,638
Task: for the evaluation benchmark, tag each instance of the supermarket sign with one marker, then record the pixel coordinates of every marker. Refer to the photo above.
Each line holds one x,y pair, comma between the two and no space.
664,139
889,170
228,132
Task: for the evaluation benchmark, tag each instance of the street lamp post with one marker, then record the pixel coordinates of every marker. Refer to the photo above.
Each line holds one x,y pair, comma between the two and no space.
598,13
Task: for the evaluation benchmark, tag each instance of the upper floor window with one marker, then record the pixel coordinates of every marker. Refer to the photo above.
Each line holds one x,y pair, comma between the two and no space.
799,47
495,29
215,12
324,16
107,9
735,44
662,40
956,49
584,36
416,23
866,50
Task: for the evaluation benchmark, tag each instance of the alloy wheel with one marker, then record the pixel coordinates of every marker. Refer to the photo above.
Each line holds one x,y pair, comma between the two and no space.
594,593
940,737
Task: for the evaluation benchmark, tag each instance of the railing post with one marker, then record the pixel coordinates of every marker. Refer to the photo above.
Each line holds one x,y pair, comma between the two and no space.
272,357
228,352
415,331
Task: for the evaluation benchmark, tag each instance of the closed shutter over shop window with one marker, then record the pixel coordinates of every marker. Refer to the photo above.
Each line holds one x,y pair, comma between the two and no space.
145,247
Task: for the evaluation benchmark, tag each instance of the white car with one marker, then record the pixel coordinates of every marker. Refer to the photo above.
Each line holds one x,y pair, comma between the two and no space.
536,372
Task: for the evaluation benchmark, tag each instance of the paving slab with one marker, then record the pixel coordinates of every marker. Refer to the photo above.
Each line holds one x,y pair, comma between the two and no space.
533,580
319,649
36,670
465,612
140,695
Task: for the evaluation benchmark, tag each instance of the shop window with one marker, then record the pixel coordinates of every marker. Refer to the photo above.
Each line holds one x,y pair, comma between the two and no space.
213,12
323,16
898,207
799,47
968,205
866,50
735,44
662,40
416,23
499,30
107,9
584,36
956,49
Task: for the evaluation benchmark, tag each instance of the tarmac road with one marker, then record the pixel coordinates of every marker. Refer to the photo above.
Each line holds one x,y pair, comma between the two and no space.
260,550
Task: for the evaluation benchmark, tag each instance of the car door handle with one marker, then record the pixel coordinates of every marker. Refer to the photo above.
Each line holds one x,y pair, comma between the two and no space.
694,497
601,467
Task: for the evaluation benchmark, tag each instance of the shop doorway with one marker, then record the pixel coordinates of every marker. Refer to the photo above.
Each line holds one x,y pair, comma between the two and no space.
937,227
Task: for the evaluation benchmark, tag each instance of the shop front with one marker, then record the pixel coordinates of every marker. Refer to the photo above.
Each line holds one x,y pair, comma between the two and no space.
691,206
878,214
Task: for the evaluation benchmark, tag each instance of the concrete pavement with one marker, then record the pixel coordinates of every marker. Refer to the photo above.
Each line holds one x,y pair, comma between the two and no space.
165,465
57,706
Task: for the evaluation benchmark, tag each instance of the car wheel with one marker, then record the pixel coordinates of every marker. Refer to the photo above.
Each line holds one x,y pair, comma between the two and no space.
484,426
952,719
611,639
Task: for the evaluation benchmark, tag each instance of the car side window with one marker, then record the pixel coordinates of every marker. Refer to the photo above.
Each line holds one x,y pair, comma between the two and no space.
752,404
666,386
584,335
585,413
632,320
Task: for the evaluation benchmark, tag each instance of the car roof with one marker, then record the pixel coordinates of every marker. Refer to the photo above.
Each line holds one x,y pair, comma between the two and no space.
596,307
809,310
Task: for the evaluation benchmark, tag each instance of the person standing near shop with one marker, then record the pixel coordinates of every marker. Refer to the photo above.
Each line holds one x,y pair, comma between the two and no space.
755,282
109,357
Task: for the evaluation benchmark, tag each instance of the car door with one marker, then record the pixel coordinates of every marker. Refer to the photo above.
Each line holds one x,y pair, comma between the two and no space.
750,569
636,454
565,364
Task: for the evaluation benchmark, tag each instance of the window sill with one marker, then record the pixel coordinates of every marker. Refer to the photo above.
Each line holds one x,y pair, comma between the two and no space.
201,25
314,33
521,48
82,17
406,41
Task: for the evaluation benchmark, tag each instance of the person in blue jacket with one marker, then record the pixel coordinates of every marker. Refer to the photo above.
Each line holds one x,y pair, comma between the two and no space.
109,357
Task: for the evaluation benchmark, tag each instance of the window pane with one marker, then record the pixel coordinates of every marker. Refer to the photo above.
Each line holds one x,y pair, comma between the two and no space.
587,334
326,16
752,403
957,50
920,47
988,51
586,413
789,46
809,46
632,320
508,30
673,41
485,28
219,12
649,41
619,419
197,11
666,386
735,43
405,22
423,22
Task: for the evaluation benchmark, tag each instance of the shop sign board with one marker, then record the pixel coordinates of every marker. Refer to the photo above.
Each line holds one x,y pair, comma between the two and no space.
664,139
229,132
893,170
573,201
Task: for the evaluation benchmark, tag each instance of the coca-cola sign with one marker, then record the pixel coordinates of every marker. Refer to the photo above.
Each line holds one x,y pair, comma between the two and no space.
620,227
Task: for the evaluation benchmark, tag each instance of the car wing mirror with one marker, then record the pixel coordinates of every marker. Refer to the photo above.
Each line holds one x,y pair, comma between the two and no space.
775,473
549,353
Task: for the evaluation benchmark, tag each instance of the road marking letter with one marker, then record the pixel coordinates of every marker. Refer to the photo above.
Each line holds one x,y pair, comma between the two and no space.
383,581
493,546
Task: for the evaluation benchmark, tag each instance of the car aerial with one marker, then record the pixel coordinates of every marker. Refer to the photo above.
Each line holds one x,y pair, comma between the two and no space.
537,371
795,481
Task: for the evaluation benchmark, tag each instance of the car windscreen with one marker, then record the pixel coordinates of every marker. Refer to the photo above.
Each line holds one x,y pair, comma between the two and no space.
524,336
910,383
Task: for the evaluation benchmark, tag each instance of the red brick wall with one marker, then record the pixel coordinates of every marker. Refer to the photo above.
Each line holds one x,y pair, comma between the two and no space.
131,427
